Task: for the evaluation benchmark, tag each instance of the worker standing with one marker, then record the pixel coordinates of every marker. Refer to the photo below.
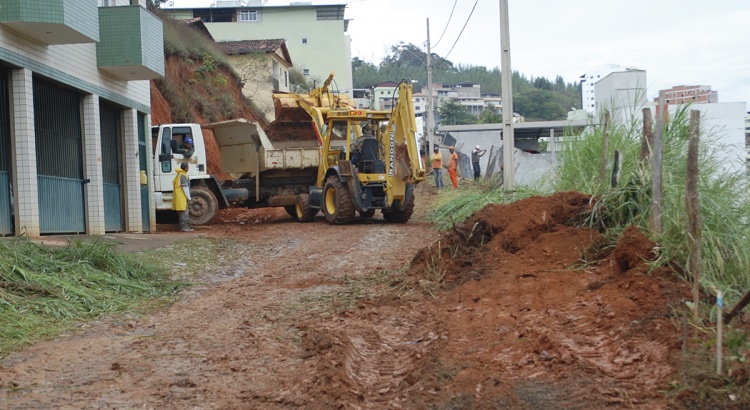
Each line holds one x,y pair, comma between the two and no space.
437,167
453,167
181,196
475,155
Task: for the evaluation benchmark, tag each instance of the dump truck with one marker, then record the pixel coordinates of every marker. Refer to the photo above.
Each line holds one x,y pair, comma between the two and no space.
305,161
262,173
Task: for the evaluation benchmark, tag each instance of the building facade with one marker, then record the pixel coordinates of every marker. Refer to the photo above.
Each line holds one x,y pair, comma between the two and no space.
263,67
74,115
689,94
315,34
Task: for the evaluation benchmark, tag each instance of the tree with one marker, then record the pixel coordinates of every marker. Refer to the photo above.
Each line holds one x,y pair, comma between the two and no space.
454,113
152,5
490,115
298,82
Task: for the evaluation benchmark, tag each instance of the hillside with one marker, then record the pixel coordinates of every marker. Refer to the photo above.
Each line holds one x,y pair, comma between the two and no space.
191,93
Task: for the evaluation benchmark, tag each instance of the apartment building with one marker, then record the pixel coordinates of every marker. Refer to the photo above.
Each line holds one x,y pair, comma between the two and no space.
74,115
689,94
316,35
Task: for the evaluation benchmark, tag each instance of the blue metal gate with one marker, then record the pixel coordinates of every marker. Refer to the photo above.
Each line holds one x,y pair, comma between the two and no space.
110,133
6,210
145,215
59,157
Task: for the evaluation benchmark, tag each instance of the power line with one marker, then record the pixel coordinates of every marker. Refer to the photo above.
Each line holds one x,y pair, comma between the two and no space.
446,24
462,30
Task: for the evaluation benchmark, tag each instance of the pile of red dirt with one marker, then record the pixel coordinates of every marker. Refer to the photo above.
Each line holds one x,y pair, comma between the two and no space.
532,322
512,317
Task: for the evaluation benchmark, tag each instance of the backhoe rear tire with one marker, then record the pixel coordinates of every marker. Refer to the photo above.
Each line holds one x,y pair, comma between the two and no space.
338,207
203,207
292,211
400,216
302,210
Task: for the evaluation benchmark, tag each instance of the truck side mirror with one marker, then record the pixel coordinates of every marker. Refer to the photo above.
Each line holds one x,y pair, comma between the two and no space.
165,157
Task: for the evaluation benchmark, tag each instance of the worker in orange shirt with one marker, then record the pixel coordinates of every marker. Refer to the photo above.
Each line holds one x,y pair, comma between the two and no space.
437,167
453,167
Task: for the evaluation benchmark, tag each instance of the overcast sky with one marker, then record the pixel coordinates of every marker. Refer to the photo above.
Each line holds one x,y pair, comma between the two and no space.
677,42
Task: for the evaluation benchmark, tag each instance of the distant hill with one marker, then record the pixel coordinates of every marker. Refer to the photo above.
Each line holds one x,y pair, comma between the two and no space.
534,98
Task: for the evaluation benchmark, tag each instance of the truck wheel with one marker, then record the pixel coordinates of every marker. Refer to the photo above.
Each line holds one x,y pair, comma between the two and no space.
367,214
292,211
303,212
203,207
337,203
400,216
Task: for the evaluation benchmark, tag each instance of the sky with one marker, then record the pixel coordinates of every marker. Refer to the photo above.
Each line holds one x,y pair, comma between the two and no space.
677,42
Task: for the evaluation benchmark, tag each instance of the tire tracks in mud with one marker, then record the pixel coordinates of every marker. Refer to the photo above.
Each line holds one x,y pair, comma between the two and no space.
230,342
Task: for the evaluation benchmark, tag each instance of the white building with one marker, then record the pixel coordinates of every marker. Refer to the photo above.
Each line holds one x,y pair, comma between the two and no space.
622,93
589,80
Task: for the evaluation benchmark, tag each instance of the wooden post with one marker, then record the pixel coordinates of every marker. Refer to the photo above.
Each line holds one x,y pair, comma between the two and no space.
695,234
719,330
605,148
616,165
655,220
647,136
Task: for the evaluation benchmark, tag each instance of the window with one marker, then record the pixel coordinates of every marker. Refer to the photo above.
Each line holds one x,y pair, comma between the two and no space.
286,79
248,15
306,71
304,40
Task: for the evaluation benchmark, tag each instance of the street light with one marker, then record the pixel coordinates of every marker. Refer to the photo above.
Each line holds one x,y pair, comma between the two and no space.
430,101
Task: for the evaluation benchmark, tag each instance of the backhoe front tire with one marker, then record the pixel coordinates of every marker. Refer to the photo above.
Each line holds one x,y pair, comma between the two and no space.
338,207
400,216
203,207
302,210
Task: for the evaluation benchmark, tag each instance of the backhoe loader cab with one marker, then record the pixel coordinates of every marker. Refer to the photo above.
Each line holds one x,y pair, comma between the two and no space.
361,172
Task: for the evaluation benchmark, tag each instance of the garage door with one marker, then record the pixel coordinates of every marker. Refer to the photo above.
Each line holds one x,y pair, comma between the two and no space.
6,216
59,154
110,132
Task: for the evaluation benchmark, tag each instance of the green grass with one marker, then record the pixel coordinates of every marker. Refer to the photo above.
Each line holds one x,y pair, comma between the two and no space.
44,290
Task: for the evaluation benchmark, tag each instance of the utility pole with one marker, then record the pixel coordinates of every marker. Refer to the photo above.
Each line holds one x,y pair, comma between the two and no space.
430,102
507,88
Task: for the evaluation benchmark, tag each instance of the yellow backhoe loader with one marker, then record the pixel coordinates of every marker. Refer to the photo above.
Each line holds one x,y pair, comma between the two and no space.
369,159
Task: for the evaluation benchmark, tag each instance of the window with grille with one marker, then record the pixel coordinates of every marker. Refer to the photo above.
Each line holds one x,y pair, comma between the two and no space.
248,15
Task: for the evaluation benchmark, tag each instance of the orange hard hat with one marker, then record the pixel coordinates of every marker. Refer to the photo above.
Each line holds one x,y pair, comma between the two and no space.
452,147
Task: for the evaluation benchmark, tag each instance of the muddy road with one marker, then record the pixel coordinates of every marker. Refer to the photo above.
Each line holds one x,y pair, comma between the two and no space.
497,313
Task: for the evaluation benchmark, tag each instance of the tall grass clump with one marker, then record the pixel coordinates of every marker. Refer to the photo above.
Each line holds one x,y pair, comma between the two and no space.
722,194
43,290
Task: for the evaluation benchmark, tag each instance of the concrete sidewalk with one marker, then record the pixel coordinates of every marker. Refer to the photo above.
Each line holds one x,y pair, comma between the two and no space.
124,242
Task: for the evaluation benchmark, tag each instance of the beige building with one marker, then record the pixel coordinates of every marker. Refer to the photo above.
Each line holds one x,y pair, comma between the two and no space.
316,35
74,113
263,67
